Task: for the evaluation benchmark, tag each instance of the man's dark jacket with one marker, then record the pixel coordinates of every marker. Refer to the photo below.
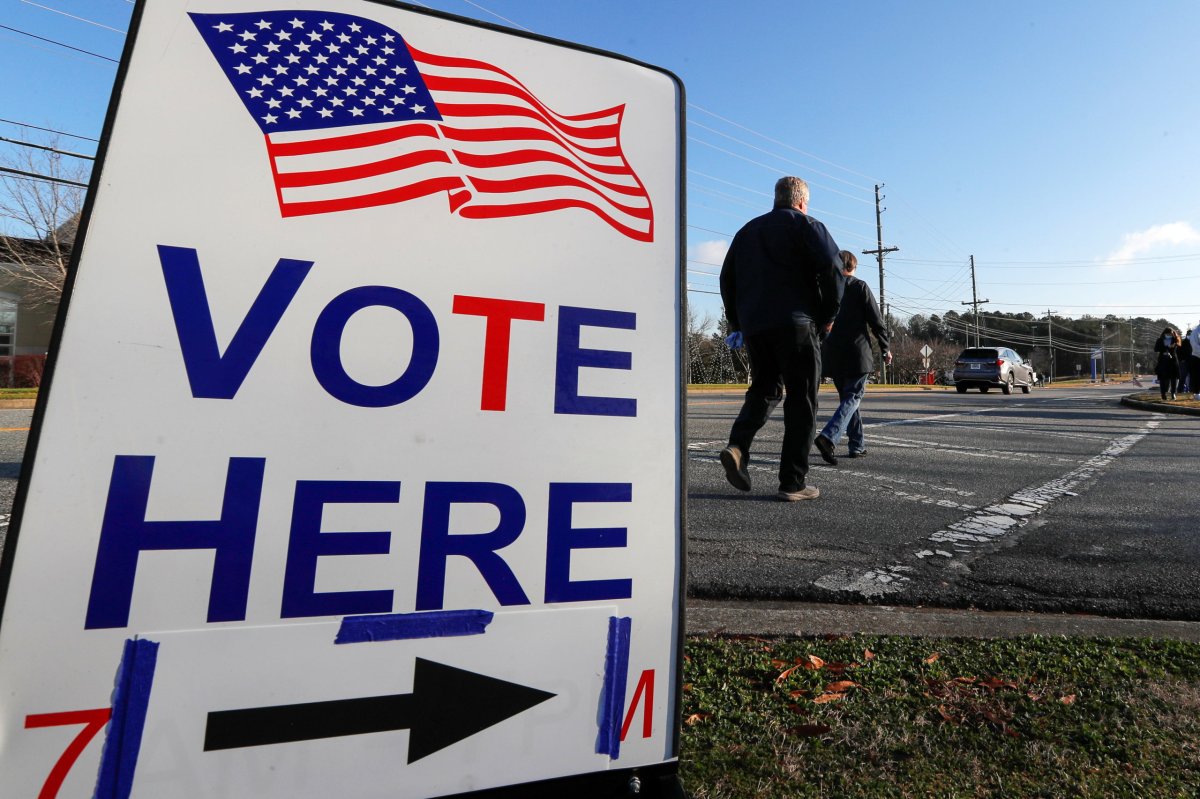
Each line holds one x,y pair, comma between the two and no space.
781,267
847,350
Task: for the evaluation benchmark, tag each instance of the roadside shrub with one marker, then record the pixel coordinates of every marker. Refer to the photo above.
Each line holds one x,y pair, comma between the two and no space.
22,371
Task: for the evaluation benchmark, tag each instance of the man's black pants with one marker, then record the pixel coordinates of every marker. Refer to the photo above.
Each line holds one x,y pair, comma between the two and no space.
786,359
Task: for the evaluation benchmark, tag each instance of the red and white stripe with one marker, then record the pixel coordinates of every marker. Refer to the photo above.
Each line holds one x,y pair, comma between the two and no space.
497,152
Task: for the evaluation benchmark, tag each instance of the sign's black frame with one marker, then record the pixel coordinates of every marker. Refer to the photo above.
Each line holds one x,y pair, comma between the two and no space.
659,780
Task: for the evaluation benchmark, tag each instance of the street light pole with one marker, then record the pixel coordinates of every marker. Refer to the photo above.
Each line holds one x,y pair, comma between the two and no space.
1050,335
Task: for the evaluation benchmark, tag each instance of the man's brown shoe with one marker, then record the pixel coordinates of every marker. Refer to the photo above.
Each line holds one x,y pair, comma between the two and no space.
798,496
734,462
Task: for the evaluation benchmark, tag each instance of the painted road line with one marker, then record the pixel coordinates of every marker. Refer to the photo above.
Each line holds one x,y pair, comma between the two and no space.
908,443
875,482
923,419
985,525
1048,434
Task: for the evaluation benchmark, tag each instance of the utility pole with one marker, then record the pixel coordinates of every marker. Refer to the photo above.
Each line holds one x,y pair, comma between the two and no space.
975,301
878,252
1050,334
1103,375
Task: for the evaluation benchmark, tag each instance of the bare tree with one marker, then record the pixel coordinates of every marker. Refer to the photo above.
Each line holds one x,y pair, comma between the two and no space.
41,193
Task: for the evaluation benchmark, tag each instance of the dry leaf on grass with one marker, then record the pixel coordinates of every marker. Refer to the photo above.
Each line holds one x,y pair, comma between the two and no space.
840,687
695,718
810,730
1069,699
783,675
932,658
812,663
826,698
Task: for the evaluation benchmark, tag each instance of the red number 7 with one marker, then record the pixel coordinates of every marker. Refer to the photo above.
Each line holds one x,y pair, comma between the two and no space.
92,720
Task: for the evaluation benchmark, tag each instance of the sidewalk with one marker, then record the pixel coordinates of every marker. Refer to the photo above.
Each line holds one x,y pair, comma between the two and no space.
740,617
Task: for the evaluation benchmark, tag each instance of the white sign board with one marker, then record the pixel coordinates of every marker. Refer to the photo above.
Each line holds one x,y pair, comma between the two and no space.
359,471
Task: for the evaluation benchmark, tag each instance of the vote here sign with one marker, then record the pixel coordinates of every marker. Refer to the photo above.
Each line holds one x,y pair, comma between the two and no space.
359,469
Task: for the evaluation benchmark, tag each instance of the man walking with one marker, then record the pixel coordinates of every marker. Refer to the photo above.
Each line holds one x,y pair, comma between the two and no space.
848,360
781,285
1193,361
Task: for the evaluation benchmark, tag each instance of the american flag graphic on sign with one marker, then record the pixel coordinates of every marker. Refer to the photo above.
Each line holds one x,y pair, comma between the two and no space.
355,117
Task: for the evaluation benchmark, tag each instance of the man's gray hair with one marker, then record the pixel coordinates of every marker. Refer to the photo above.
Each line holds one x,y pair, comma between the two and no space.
790,192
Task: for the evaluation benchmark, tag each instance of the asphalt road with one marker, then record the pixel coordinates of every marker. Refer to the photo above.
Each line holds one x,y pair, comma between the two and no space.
1057,501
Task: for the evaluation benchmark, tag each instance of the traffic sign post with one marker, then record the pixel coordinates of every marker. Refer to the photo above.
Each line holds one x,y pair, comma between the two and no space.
358,467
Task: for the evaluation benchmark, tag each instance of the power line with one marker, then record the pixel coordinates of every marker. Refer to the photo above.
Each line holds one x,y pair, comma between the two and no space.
774,169
1075,282
780,143
775,155
36,176
1067,264
60,44
49,130
47,149
72,16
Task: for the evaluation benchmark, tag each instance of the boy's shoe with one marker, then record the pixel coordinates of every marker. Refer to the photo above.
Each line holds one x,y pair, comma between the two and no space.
735,468
825,447
809,492
861,454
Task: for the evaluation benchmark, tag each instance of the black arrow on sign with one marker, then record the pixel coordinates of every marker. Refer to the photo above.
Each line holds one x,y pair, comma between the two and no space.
445,706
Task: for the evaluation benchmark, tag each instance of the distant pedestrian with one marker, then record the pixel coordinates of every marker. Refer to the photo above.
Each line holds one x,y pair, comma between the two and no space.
781,285
1167,369
1194,361
849,360
1185,358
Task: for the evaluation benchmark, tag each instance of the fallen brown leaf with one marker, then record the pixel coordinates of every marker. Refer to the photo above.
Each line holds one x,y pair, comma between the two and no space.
1069,699
810,730
868,654
799,692
826,698
932,658
840,687
695,718
812,663
783,675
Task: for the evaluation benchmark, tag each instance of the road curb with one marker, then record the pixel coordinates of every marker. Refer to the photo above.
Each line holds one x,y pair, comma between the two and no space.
711,617
17,404
1159,407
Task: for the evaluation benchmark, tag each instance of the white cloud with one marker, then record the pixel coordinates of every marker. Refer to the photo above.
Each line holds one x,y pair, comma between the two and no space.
709,252
1158,237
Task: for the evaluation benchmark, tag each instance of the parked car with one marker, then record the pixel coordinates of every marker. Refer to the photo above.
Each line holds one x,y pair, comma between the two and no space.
985,367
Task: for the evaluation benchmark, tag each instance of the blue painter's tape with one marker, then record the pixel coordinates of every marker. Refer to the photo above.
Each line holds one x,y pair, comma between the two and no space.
131,699
401,626
612,697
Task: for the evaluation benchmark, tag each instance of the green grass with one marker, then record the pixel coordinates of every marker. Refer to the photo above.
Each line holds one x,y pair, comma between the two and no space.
1028,717
1184,400
18,393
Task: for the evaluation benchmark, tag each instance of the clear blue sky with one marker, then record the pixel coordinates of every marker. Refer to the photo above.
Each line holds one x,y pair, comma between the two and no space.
1055,142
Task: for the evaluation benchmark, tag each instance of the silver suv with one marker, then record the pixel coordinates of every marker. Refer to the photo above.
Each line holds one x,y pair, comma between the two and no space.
985,367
